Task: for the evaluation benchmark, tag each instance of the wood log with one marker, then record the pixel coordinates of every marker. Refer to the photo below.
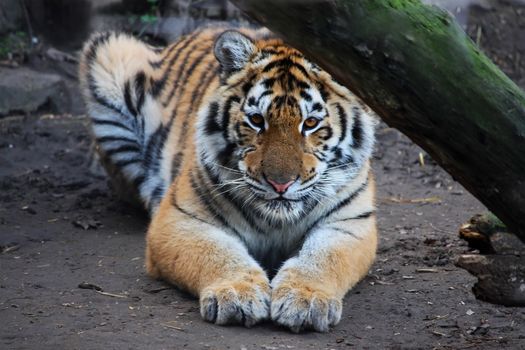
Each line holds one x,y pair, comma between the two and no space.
415,66
500,273
501,278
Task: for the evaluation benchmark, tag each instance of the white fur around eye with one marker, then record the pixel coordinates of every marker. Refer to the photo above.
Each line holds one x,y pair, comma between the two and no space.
255,127
310,131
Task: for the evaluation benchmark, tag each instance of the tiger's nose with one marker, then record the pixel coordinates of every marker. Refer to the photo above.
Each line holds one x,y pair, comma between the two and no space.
278,186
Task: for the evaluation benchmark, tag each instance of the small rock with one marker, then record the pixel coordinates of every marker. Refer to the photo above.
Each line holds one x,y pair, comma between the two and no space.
29,210
87,223
23,90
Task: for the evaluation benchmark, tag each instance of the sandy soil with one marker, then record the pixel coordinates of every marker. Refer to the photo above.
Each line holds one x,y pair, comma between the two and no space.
61,231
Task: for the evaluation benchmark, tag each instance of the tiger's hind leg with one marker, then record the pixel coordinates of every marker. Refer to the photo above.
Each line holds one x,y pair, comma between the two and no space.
115,74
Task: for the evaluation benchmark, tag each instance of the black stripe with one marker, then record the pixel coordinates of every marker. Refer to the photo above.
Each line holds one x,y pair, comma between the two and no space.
317,107
206,201
157,193
324,93
246,87
364,215
239,82
278,101
100,99
273,51
153,144
205,80
158,86
127,98
91,53
187,73
197,93
122,149
268,83
238,132
306,96
338,154
291,100
137,182
176,162
156,196
319,157
156,64
289,80
226,154
185,212
226,114
286,63
112,123
357,128
140,80
306,181
112,138
211,119
252,101
126,162
232,200
166,52
265,93
343,120
327,130
343,231
340,205
90,56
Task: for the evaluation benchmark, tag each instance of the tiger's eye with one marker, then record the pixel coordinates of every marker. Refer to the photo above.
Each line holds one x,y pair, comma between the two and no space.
310,123
257,120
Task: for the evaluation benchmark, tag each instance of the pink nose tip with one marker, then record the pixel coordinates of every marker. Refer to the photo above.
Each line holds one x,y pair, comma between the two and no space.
279,187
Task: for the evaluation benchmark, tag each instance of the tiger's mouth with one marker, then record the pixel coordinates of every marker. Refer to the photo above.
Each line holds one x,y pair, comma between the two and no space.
271,197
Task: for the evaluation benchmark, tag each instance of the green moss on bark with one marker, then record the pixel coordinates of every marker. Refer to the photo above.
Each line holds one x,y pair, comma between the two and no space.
417,68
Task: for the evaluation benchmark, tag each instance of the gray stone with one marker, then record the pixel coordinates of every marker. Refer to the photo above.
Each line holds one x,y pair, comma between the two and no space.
23,90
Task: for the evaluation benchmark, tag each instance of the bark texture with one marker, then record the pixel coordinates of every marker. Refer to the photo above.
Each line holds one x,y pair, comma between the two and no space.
421,73
501,271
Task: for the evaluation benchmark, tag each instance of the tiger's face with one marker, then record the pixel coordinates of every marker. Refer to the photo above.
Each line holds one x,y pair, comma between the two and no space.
291,135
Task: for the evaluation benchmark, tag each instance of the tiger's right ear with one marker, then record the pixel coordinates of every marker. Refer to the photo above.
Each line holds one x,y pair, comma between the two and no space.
233,50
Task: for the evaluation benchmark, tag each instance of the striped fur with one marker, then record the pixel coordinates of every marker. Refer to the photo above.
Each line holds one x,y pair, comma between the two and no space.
253,162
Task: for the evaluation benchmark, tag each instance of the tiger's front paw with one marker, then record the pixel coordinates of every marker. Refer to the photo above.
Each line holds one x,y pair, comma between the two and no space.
243,302
301,307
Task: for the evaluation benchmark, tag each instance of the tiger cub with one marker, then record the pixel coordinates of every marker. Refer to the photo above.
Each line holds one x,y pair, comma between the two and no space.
253,163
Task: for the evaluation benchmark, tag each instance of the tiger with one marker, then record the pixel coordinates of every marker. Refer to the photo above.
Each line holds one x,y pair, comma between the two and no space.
253,163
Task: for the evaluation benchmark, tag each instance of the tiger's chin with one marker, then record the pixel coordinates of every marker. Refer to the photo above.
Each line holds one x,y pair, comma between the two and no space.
280,211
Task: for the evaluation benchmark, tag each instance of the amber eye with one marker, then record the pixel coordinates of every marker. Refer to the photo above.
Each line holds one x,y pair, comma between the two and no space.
310,123
257,120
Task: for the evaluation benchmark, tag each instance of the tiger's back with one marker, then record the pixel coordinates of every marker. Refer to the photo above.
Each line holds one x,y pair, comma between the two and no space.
143,103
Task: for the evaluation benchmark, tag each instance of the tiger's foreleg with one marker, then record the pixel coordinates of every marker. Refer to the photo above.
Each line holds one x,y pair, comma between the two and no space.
308,290
209,263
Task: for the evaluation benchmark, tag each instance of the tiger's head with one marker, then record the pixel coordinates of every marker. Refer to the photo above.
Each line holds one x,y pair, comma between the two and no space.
281,134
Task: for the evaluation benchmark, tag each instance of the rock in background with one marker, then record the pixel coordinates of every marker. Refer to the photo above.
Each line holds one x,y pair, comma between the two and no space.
24,90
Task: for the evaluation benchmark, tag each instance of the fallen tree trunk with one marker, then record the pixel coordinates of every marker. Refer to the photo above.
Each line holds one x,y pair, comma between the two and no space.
421,73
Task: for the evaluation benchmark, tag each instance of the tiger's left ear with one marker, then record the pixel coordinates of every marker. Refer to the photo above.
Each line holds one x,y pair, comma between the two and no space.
233,50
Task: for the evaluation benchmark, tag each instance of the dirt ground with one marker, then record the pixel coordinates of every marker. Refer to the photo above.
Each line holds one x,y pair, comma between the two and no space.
61,229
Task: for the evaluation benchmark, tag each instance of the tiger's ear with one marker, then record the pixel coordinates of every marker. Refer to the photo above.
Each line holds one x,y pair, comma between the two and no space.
233,50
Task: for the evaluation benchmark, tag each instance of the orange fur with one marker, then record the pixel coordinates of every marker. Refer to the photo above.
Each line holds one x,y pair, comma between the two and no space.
200,239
